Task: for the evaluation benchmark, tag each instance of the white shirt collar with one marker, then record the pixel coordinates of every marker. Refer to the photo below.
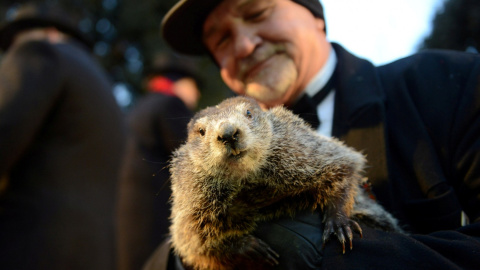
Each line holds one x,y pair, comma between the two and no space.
322,77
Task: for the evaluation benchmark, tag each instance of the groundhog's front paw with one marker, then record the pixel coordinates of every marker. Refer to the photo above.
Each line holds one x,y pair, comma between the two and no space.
254,249
342,227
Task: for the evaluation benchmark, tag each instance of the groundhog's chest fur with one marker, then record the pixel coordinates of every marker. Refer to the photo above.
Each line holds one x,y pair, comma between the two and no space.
241,165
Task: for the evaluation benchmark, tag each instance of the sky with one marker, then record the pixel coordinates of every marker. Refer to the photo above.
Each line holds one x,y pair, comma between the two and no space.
379,30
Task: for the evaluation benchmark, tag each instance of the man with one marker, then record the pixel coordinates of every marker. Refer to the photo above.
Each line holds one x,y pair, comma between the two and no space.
61,142
417,120
158,125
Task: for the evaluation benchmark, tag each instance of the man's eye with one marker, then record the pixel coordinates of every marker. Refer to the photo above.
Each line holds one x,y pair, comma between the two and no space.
255,15
259,12
222,40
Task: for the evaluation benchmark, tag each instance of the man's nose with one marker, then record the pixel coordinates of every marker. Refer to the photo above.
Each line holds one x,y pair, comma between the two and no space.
246,39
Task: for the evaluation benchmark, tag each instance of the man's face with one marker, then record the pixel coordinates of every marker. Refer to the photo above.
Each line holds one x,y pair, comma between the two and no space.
266,49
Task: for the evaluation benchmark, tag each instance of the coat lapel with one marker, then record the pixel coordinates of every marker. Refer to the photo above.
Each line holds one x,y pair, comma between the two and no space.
359,114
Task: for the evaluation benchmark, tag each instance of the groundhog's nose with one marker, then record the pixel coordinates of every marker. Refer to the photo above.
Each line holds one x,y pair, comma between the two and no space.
228,134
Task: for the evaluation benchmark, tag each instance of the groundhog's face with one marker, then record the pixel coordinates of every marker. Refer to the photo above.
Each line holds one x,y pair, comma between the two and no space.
233,137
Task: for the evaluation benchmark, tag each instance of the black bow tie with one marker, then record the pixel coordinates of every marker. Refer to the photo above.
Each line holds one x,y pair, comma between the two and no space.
306,106
307,110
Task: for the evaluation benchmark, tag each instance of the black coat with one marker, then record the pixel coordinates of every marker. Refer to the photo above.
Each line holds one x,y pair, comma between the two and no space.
61,140
418,121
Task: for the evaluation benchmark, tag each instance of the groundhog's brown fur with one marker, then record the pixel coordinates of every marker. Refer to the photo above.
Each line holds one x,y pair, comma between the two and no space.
242,165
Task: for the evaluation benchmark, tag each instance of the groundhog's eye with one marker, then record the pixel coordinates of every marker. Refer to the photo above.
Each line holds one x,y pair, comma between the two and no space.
201,131
249,114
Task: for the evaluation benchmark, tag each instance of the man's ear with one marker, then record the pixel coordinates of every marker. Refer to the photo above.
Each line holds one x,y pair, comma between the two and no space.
320,24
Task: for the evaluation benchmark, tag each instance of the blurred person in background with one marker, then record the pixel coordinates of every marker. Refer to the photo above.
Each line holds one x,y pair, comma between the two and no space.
61,141
157,126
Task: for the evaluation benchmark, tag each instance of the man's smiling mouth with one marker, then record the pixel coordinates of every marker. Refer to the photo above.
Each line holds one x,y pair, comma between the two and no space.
255,67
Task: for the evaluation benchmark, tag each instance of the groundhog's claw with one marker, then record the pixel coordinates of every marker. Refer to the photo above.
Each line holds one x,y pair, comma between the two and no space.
343,229
271,255
356,228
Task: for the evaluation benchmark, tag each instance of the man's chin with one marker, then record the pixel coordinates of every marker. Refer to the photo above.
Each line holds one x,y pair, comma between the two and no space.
272,84
267,96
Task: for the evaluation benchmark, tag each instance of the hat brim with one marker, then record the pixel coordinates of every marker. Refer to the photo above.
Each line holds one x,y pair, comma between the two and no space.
182,25
9,30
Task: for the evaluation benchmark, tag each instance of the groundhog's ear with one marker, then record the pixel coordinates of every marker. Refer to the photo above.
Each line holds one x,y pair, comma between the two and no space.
191,124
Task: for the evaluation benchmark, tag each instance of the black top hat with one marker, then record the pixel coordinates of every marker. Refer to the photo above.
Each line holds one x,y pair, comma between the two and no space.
35,15
182,25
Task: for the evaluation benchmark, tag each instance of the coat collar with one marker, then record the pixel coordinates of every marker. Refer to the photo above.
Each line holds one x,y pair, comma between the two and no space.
357,87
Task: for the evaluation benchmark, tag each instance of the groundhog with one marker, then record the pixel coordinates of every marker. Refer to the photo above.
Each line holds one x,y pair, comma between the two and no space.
242,165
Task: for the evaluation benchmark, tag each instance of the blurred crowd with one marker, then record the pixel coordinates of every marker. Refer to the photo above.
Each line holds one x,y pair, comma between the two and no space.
84,185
